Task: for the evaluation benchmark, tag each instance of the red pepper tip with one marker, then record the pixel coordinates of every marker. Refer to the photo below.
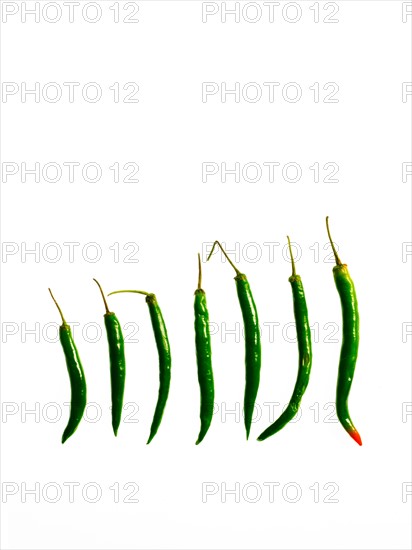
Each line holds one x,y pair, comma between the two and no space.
355,435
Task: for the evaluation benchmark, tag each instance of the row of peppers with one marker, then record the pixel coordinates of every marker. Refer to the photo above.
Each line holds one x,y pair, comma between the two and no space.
347,363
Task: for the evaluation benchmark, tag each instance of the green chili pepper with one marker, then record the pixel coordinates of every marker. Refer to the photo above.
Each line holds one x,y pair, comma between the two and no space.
252,340
163,350
350,341
305,353
76,375
117,362
204,358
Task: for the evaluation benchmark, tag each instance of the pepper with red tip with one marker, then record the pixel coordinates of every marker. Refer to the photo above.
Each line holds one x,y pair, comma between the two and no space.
350,341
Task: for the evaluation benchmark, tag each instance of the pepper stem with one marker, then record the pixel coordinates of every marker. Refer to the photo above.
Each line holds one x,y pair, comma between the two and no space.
224,253
291,257
58,307
199,280
133,291
337,259
103,296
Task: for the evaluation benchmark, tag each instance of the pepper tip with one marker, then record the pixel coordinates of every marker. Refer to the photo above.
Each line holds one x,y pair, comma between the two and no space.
356,436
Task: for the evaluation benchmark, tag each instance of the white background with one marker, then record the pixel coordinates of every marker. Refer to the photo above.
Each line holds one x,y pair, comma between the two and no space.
171,214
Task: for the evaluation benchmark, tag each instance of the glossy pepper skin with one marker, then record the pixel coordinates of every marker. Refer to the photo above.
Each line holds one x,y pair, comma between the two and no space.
115,341
349,349
204,363
117,366
305,355
76,375
350,341
253,352
165,362
77,381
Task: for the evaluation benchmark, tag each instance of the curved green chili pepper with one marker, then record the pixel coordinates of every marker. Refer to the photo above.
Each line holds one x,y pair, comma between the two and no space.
350,341
305,353
165,360
252,340
117,362
76,375
204,358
